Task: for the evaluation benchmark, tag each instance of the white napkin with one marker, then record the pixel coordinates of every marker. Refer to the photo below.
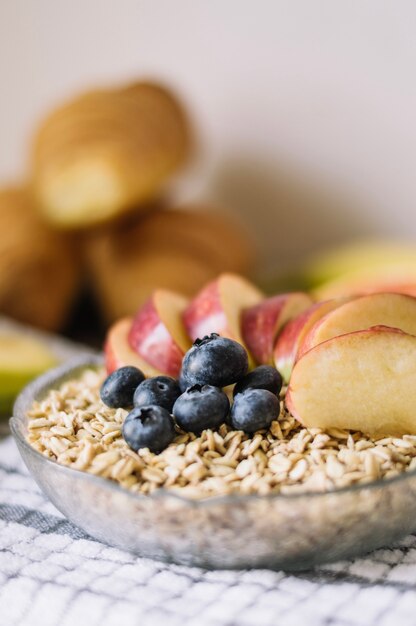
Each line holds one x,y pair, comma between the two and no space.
52,574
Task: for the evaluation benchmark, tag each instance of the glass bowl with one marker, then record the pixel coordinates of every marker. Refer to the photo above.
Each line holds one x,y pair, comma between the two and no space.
291,532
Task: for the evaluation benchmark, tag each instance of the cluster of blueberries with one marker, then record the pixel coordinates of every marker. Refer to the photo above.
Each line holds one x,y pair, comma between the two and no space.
196,401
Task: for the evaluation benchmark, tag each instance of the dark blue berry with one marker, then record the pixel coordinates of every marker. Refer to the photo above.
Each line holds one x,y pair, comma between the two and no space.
118,389
263,377
214,360
201,407
160,390
149,427
254,409
182,383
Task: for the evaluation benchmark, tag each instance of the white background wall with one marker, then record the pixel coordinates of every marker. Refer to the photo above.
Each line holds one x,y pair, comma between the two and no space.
305,108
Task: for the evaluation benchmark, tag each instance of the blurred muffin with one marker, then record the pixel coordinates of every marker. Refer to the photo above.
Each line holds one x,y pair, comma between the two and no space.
178,249
39,276
106,151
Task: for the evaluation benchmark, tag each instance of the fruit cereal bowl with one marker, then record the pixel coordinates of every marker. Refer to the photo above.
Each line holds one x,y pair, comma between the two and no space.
295,530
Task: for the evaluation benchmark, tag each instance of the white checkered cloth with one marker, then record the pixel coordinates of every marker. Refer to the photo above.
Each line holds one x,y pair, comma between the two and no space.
53,574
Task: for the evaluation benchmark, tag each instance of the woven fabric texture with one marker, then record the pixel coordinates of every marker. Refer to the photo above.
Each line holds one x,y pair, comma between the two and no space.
53,574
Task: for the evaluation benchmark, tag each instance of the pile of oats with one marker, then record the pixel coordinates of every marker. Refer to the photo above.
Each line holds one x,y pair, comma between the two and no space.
72,426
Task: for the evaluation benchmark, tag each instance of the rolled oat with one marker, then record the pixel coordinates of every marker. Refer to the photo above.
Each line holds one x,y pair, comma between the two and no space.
73,427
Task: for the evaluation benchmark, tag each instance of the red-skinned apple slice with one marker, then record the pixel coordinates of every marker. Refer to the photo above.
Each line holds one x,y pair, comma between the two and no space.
291,337
261,323
118,352
388,309
158,334
365,380
218,308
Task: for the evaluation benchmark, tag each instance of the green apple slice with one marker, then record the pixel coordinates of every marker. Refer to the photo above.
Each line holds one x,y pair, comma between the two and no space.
21,358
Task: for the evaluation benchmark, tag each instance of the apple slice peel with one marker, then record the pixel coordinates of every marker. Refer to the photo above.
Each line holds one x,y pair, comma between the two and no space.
262,322
158,334
118,352
218,307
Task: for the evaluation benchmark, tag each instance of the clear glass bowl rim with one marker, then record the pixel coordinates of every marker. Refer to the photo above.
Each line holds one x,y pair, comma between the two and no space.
47,381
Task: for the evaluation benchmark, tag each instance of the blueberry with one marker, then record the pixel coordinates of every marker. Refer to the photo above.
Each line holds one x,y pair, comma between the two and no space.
263,377
160,390
214,360
183,385
254,409
149,427
201,407
118,389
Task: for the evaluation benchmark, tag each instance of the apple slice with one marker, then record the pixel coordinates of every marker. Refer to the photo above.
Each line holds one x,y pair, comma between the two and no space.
365,380
361,257
118,352
293,333
362,268
262,322
158,333
384,280
388,309
21,358
218,308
